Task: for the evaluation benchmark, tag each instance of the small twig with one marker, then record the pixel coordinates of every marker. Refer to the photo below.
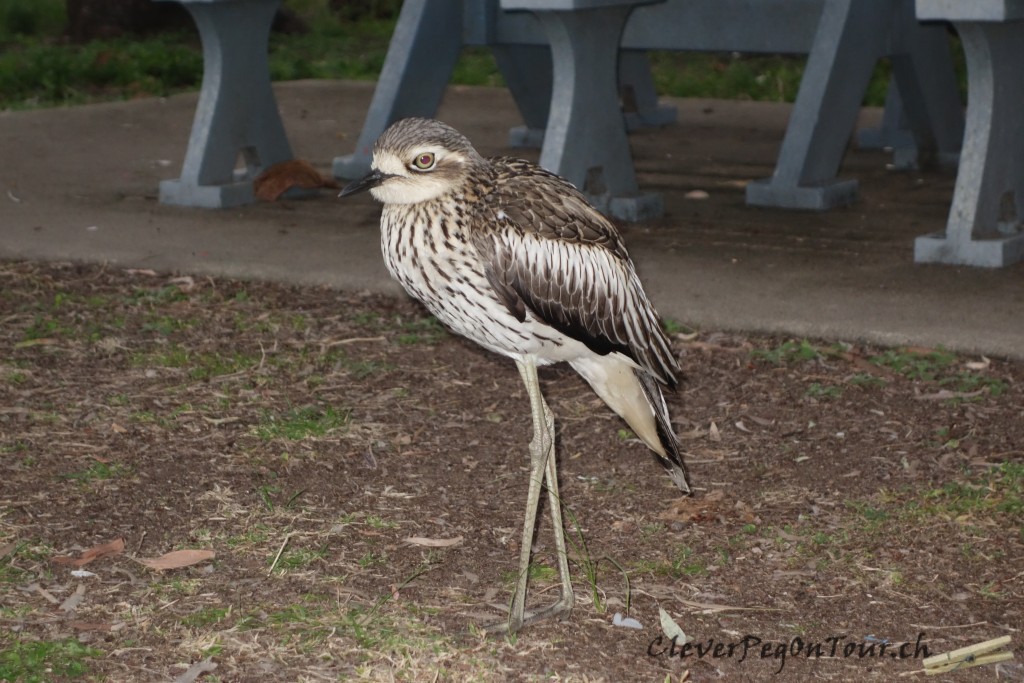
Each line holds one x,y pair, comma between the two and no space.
712,608
263,356
935,628
355,340
279,551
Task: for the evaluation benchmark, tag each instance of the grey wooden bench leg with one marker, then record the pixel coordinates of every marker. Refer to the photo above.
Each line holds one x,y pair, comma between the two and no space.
927,125
984,227
924,74
849,40
421,56
527,72
237,113
585,140
893,133
639,97
852,35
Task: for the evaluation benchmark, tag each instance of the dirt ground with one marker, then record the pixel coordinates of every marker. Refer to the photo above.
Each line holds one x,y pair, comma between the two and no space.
360,475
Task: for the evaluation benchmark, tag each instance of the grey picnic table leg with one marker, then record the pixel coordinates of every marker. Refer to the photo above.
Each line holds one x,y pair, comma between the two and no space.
933,109
928,124
585,140
237,113
527,72
984,226
639,97
421,56
894,131
848,42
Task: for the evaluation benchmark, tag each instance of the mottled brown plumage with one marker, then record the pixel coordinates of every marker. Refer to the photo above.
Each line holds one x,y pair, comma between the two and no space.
514,258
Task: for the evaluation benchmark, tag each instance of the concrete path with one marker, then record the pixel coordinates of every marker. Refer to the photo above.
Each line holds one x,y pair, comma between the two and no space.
81,184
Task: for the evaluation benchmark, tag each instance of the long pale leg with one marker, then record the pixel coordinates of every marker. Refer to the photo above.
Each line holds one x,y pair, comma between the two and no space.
542,466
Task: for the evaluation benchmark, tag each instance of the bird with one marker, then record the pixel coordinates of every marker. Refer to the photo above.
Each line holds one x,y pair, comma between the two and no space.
514,258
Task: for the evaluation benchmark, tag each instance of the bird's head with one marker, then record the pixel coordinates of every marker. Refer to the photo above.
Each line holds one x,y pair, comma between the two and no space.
416,160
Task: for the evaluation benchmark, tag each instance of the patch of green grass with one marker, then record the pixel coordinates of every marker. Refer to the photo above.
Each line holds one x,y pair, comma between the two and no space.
9,573
178,587
823,392
99,471
208,365
358,367
1000,490
165,325
423,331
969,382
299,558
540,573
378,522
820,538
865,379
206,617
200,366
688,74
938,366
254,535
171,357
43,661
15,377
876,517
368,319
788,352
302,423
20,18
45,328
16,447
653,530
370,559
682,564
674,327
153,297
914,364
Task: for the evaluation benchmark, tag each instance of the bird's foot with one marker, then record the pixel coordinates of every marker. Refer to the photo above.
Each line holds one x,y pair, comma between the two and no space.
559,610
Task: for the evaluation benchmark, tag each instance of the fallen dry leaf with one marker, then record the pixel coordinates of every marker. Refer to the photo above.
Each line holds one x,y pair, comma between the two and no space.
197,670
47,595
982,364
279,178
177,559
690,509
74,600
434,542
96,552
713,432
671,629
946,394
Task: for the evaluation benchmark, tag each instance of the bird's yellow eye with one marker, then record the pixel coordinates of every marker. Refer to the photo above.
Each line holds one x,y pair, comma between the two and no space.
424,161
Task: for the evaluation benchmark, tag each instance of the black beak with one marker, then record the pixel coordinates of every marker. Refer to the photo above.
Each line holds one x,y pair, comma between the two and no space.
367,182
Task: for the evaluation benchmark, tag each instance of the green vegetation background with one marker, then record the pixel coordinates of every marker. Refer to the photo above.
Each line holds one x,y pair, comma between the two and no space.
39,67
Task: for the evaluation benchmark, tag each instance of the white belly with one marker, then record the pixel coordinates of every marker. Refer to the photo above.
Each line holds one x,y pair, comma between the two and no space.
447,276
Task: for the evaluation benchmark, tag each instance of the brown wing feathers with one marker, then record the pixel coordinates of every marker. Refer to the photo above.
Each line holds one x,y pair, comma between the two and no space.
568,266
